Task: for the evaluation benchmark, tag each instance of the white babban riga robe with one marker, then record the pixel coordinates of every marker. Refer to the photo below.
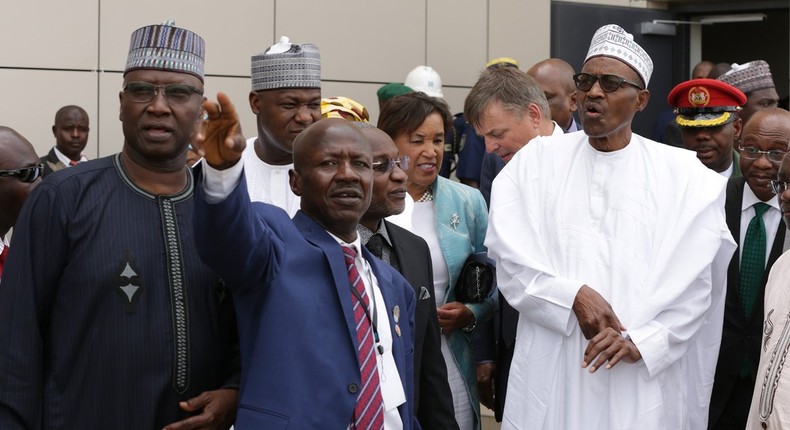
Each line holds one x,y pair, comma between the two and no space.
643,226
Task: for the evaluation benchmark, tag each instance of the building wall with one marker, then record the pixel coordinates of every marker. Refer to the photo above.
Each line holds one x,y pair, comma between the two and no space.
59,53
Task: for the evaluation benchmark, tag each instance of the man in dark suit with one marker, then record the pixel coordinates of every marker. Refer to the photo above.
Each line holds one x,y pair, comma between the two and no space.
307,323
739,355
410,255
71,135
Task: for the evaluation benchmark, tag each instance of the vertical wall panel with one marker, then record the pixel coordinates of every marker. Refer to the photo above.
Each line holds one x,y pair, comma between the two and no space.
370,41
49,34
520,29
110,132
233,31
457,39
31,98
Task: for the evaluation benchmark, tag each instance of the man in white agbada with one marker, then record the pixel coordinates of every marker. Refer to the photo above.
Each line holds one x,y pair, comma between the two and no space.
614,250
285,98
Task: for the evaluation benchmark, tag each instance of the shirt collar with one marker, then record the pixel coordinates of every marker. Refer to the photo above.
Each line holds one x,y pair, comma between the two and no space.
356,244
365,233
749,199
66,160
728,173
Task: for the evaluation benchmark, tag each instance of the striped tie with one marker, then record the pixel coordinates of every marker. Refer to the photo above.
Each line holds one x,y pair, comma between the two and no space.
369,411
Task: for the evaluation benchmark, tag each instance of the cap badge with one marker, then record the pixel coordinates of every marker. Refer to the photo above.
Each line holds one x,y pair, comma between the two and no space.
699,96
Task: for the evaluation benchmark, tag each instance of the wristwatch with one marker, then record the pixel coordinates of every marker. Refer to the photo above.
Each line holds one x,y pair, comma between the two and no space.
472,324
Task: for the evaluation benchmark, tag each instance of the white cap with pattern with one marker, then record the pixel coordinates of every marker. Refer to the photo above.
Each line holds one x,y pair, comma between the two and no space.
612,41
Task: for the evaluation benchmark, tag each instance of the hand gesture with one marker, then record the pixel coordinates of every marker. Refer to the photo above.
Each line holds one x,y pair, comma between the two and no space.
609,345
217,411
218,138
594,313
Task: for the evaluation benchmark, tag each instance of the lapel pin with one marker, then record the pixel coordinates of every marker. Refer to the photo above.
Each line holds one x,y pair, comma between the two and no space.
454,221
396,313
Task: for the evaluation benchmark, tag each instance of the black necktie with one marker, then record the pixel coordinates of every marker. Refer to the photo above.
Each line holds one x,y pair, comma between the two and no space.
376,245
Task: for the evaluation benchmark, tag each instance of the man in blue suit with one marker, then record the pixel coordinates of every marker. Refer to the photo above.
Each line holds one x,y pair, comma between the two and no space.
302,363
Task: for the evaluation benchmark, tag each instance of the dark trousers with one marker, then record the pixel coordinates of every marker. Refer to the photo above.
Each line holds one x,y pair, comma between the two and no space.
737,410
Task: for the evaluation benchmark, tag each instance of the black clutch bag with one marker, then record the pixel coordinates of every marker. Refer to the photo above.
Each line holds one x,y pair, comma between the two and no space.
477,279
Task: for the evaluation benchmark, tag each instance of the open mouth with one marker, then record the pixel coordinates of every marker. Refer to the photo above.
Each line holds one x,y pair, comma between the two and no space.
592,110
347,197
157,131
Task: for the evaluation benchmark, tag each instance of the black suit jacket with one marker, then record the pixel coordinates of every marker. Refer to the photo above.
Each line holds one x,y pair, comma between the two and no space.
433,399
741,336
51,163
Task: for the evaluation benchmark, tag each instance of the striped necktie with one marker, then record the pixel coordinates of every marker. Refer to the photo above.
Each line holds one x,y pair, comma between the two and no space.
369,411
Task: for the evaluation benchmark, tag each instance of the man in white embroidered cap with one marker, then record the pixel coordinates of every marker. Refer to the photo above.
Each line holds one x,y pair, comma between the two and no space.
108,318
614,250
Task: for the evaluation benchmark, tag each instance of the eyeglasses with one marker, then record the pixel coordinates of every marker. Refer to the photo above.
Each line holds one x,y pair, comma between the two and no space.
778,187
143,92
609,83
752,153
387,165
27,174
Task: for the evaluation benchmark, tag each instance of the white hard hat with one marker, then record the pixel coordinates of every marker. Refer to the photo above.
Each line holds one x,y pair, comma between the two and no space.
425,79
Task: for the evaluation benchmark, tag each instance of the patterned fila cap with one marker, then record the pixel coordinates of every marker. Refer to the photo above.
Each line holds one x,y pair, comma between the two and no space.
166,47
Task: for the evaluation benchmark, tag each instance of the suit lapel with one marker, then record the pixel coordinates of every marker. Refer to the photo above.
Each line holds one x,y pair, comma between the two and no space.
404,258
732,209
316,235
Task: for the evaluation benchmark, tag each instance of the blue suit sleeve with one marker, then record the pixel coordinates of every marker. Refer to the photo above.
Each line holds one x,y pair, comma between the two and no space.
240,240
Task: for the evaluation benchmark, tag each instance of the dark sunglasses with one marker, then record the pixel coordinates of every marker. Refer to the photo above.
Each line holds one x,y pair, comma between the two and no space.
27,174
385,166
143,92
609,83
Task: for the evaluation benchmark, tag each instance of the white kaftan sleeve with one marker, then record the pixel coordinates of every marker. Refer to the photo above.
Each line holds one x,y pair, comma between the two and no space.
524,275
690,271
218,184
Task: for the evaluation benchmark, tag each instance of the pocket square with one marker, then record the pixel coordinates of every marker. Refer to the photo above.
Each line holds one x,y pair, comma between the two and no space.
424,293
